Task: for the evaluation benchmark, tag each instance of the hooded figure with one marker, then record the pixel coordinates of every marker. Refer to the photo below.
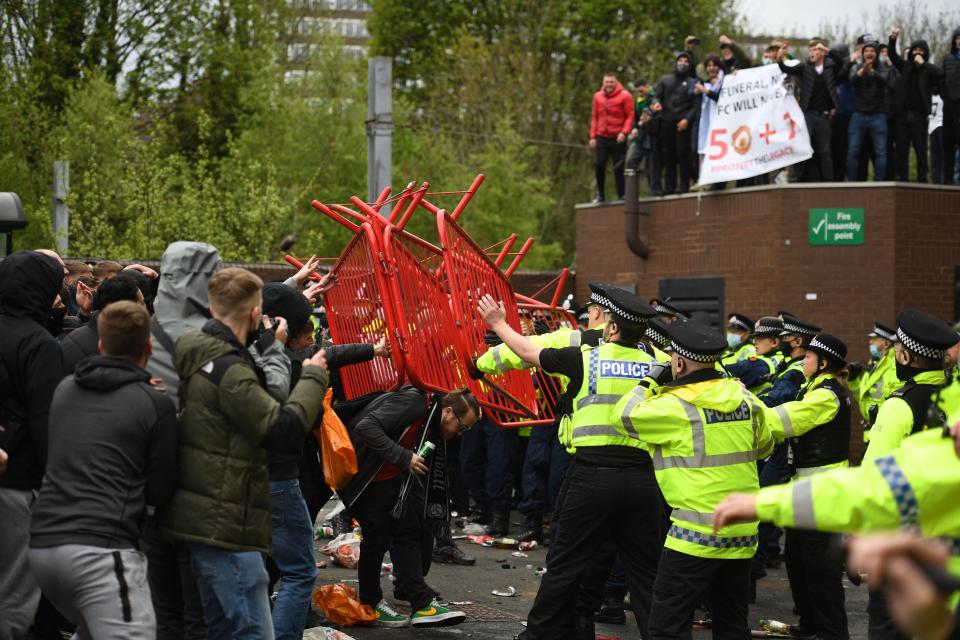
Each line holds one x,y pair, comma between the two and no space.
30,364
950,89
950,92
181,304
917,82
674,92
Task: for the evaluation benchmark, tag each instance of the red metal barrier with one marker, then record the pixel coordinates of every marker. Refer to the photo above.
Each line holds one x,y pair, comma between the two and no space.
468,273
422,304
541,318
359,309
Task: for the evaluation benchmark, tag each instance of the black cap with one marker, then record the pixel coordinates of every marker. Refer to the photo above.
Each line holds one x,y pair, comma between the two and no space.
883,331
657,331
664,309
695,341
793,325
924,334
829,347
866,37
768,326
740,321
872,44
627,306
286,302
598,295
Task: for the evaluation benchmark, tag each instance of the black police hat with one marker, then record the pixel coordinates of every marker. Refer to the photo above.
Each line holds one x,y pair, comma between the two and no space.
598,295
740,321
664,309
793,325
627,306
657,331
829,347
768,326
924,334
883,331
695,341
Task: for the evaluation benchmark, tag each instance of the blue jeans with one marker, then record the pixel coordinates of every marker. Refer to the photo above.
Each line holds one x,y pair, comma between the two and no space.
292,550
486,456
862,125
233,588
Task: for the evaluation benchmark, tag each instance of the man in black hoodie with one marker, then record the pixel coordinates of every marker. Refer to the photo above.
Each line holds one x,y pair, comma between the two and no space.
30,366
384,434
950,92
677,106
919,80
113,455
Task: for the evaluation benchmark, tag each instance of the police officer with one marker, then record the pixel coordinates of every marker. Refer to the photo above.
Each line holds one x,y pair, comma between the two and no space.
794,338
922,343
922,340
610,490
544,450
656,338
666,311
915,486
817,426
872,386
739,328
705,434
758,371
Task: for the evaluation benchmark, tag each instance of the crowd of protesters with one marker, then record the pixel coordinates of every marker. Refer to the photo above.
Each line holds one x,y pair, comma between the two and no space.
877,103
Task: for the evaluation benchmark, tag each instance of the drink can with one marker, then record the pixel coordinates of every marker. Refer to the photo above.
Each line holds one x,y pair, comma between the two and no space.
426,449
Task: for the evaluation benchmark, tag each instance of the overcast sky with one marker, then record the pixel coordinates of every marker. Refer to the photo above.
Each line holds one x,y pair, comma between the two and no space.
777,17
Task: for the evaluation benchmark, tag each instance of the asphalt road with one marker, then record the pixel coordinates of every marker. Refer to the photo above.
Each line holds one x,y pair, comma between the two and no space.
490,616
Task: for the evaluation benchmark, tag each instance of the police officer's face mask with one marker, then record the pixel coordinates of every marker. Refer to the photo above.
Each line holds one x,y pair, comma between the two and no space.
733,340
875,351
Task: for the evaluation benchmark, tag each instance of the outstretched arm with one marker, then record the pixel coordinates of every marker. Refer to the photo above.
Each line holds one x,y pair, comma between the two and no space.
495,315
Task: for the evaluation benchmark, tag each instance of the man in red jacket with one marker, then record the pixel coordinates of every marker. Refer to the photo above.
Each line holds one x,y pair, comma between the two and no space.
610,123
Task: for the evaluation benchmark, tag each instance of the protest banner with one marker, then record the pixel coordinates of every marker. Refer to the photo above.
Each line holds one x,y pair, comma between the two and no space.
758,127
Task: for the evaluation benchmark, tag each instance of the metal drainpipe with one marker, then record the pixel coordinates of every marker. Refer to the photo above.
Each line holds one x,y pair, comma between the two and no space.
631,216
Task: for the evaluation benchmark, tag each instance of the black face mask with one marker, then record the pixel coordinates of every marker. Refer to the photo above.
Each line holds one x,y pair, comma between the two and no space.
785,349
55,321
906,372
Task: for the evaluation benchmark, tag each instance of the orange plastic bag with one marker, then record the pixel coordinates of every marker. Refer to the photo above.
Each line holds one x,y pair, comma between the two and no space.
339,458
339,603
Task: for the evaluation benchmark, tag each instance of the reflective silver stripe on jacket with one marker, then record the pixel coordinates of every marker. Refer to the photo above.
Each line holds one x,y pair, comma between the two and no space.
903,493
586,430
700,459
600,398
785,419
499,363
698,517
710,540
803,515
806,472
575,338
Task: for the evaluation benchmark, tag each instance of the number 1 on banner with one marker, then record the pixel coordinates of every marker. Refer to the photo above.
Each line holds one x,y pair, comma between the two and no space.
793,125
715,141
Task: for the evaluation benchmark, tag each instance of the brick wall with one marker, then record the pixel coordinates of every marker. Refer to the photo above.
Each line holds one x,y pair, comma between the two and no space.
757,239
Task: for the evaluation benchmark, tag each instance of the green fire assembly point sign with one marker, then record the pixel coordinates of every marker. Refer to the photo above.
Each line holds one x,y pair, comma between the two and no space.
836,226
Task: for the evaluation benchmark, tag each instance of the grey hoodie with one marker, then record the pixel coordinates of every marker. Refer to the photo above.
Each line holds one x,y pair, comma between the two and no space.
181,303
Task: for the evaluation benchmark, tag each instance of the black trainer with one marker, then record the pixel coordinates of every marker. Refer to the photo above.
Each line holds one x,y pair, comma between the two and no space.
452,554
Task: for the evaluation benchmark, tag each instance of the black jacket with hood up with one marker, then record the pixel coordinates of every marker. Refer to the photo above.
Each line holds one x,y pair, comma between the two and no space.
113,451
674,92
928,80
30,363
951,71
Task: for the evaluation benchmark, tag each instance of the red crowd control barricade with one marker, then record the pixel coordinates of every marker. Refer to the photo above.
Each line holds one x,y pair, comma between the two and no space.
537,318
468,273
422,304
360,309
